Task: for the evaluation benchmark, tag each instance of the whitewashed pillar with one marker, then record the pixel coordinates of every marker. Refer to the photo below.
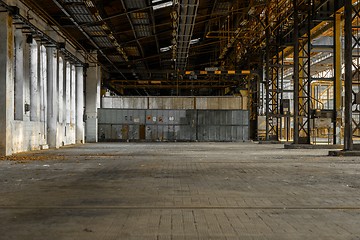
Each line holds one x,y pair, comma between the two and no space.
80,134
93,80
6,83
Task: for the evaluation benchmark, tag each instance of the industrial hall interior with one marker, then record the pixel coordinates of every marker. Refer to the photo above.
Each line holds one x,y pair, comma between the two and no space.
179,119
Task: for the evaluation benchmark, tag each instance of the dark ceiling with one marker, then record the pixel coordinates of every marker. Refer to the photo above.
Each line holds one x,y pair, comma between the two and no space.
143,44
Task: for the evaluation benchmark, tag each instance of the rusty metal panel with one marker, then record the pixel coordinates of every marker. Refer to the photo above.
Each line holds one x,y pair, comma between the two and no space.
229,118
134,132
171,133
170,125
101,117
177,132
141,103
188,103
245,103
173,117
151,133
116,103
237,118
161,115
107,102
201,103
162,131
182,117
104,132
212,133
155,103
228,134
240,134
168,103
118,132
203,135
222,133
125,102
148,132
201,118
245,133
213,103
184,133
245,115
223,103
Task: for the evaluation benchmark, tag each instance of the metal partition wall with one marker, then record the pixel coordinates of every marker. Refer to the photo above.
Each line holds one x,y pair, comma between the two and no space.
173,125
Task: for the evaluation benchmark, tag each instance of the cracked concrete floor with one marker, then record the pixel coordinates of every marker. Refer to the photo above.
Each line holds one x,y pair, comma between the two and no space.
179,191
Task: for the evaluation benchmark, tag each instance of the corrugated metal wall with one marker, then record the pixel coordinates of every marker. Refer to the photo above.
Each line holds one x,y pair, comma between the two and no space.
173,125
185,103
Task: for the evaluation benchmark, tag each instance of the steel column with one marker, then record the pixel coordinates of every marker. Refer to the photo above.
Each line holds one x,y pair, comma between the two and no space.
254,98
352,74
337,79
348,143
296,72
272,81
302,79
267,76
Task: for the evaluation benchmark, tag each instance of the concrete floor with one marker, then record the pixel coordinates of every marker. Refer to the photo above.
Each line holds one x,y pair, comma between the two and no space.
179,191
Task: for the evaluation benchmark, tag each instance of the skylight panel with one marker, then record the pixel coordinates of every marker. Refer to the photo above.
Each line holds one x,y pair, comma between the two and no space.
161,4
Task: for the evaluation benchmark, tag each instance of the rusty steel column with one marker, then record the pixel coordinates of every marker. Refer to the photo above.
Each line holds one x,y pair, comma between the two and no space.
337,79
267,76
348,142
296,72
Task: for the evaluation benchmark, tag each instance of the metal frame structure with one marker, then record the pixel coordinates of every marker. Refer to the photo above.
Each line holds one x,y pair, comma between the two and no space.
352,74
229,35
337,121
272,71
302,76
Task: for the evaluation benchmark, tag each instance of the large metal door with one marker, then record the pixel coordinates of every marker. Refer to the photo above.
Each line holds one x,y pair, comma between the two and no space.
173,125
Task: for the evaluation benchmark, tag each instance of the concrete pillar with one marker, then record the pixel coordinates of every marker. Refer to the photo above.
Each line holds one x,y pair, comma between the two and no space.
6,82
34,82
43,83
61,72
93,79
73,95
67,93
19,75
52,97
26,79
80,136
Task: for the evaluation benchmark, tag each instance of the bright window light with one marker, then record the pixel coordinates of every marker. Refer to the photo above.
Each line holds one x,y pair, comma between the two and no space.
165,49
161,5
195,41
